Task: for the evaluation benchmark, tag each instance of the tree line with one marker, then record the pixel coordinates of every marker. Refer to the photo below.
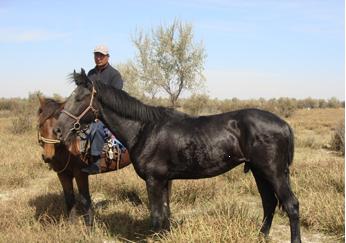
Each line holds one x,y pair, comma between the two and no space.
198,104
168,62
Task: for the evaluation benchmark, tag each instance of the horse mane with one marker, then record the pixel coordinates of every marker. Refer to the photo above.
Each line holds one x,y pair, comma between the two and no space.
129,107
51,108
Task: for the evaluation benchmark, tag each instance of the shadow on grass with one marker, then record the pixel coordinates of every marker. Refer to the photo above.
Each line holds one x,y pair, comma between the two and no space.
51,205
130,195
50,208
123,226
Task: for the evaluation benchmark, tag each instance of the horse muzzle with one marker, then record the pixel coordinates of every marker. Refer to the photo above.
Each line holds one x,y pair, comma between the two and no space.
46,159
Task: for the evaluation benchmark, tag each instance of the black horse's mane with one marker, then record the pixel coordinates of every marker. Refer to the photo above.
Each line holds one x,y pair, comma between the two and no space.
125,105
129,107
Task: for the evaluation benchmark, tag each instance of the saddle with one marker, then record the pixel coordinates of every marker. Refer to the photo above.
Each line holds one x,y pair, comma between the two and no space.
114,155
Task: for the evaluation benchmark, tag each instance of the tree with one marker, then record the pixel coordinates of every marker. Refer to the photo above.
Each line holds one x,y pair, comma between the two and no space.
169,61
130,77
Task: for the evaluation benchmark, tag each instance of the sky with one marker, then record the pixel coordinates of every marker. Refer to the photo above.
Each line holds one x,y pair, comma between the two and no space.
255,48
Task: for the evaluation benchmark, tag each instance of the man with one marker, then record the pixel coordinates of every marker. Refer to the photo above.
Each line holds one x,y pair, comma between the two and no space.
105,73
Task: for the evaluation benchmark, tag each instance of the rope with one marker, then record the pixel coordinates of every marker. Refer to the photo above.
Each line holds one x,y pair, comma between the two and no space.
67,163
48,140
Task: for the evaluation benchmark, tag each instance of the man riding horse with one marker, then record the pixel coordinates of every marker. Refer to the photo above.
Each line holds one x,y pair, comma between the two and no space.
105,73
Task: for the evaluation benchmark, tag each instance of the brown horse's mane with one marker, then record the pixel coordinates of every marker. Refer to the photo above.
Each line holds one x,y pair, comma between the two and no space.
52,108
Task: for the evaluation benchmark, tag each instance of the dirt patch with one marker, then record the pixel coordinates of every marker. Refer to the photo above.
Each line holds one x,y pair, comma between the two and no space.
281,234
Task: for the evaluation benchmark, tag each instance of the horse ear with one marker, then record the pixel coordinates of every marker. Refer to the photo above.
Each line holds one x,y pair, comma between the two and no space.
75,76
41,99
86,81
83,74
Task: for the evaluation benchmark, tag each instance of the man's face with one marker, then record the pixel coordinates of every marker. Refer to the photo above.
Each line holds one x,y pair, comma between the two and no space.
100,59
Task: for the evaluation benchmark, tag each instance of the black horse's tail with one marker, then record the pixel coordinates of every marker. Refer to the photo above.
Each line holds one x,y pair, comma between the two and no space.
290,145
289,156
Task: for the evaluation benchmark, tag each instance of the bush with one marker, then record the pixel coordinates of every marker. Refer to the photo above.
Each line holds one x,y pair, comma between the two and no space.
21,124
9,104
338,139
197,104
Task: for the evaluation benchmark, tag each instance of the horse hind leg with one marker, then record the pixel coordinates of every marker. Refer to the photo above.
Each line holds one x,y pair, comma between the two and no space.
279,182
269,202
290,204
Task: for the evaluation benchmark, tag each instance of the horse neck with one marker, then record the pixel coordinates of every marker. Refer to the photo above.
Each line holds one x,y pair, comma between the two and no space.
126,130
60,159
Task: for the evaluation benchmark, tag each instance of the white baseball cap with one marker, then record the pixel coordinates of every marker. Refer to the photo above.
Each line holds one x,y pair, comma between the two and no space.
101,49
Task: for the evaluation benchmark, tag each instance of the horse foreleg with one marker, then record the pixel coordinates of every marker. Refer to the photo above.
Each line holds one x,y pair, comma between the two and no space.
158,194
83,189
67,186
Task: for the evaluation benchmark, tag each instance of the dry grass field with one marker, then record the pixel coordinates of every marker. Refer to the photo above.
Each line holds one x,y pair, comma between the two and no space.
226,208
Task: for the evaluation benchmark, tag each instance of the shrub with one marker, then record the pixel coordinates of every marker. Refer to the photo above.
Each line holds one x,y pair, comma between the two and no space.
196,104
9,104
338,138
21,124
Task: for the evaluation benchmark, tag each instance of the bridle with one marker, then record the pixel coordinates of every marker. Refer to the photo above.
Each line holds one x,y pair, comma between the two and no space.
42,140
76,126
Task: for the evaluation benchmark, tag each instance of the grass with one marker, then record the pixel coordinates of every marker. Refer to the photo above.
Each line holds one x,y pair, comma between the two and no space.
226,208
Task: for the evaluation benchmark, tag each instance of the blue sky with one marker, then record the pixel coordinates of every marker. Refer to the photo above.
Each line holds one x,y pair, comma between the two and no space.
255,48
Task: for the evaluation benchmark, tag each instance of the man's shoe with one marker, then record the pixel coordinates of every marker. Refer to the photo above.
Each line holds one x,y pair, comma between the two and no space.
92,169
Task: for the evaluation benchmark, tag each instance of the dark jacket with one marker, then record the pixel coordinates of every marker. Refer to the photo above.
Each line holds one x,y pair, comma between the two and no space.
109,76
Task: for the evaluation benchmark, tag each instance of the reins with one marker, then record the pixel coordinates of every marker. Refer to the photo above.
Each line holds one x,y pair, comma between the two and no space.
67,163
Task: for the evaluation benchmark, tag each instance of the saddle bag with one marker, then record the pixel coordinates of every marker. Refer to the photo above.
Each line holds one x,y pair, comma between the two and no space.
114,156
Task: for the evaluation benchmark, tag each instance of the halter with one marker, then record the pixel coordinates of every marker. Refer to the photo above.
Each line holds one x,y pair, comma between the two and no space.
76,125
42,140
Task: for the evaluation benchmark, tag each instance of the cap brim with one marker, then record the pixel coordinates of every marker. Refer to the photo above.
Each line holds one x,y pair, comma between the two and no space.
103,53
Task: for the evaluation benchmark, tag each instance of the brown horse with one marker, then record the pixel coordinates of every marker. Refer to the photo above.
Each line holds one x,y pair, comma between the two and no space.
66,162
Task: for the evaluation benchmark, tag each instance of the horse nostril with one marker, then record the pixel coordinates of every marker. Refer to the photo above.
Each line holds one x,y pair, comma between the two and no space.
46,160
57,132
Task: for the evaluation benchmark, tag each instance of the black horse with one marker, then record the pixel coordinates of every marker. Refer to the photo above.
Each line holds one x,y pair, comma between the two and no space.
165,144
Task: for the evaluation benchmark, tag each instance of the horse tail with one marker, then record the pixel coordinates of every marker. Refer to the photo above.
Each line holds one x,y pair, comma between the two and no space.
290,145
289,156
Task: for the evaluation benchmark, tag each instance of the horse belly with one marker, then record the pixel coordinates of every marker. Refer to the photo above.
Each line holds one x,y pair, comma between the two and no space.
202,161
